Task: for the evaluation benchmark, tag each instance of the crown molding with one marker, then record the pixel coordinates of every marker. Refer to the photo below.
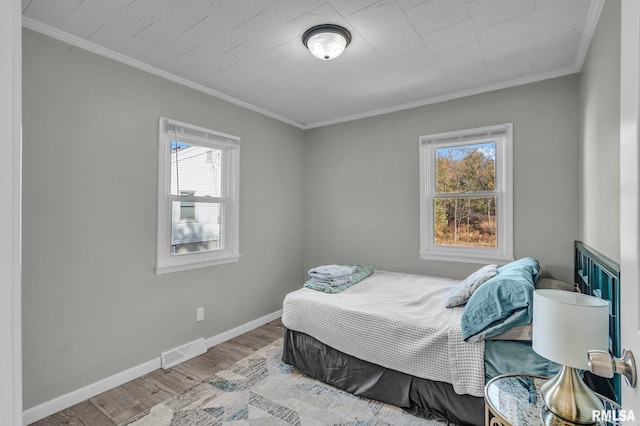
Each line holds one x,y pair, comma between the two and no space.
447,97
38,26
592,21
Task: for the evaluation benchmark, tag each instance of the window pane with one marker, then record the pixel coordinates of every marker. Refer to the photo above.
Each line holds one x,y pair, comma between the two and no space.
187,211
465,221
200,234
466,168
195,170
187,208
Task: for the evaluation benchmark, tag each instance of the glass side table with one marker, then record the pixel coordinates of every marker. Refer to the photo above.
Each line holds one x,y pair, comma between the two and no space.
514,400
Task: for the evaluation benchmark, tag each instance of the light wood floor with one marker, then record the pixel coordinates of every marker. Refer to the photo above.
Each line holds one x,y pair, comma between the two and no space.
130,399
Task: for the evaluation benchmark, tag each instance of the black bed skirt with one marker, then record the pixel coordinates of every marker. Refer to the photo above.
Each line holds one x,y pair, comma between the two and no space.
421,397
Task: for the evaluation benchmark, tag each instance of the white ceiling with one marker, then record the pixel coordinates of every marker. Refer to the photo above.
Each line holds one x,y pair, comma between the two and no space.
403,53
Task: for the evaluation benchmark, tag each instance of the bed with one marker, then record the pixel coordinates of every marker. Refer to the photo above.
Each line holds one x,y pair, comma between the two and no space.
342,340
390,338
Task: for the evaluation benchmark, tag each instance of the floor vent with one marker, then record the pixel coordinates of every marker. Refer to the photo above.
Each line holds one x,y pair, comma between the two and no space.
183,353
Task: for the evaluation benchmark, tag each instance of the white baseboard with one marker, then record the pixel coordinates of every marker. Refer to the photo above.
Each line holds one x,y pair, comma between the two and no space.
223,337
65,401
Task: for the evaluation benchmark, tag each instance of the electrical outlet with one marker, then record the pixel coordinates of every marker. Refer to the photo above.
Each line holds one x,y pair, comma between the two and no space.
199,314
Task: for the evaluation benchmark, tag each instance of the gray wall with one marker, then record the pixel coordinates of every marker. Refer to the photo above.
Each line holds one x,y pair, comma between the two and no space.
93,305
600,136
371,167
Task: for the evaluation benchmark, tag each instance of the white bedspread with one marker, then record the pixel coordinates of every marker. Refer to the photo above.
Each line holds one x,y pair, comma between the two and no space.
398,321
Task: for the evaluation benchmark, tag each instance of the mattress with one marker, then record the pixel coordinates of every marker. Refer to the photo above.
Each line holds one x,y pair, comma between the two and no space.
397,321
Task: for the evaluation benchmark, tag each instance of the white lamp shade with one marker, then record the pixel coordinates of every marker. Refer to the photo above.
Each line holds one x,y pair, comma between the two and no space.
566,325
326,46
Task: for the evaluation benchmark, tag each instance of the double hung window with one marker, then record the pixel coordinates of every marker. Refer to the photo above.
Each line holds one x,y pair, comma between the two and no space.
466,195
197,197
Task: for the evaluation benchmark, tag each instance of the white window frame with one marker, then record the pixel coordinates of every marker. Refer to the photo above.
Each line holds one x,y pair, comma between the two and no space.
229,234
502,135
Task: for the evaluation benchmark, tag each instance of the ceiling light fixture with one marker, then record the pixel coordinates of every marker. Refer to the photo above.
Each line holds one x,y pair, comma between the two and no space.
326,41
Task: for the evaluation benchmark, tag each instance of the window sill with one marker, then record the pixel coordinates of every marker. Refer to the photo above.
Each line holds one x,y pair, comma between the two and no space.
167,269
466,258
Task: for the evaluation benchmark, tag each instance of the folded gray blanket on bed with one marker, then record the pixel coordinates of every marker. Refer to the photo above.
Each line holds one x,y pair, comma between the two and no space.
333,275
360,273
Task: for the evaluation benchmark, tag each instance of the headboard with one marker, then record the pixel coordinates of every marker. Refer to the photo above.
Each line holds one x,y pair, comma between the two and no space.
599,276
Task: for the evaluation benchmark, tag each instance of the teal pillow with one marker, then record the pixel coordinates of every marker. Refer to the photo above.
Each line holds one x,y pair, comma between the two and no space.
502,302
525,261
501,326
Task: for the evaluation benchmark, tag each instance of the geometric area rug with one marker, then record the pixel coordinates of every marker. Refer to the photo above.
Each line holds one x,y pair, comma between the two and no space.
262,390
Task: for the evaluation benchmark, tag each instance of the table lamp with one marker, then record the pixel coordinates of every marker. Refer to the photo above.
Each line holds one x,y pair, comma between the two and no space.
565,326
